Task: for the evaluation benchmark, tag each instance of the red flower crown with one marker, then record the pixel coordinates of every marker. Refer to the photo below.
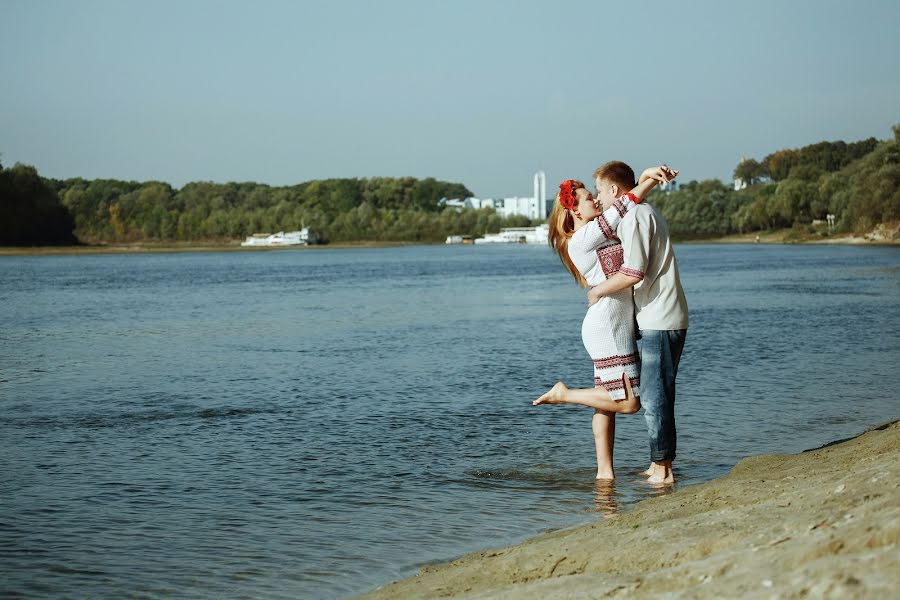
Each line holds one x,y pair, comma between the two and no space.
567,194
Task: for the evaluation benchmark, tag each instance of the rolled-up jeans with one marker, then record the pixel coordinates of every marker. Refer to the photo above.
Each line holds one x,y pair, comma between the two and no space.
660,354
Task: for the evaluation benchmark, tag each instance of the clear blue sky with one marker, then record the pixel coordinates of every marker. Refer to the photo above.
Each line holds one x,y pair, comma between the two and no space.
481,92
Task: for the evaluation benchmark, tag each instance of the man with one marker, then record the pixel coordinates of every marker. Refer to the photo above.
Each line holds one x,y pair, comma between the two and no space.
649,267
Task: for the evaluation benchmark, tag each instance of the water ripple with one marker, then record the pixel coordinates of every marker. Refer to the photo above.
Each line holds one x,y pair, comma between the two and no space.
313,424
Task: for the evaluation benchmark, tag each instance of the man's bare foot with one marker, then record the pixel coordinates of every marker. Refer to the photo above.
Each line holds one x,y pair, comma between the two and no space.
649,471
662,474
556,395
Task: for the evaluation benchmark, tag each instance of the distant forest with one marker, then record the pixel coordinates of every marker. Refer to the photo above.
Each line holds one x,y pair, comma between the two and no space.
36,210
858,182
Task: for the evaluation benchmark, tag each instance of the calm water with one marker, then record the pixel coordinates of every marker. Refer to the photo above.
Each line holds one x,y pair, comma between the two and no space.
315,423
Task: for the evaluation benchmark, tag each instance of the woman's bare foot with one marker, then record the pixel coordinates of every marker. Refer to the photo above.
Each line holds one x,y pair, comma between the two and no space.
556,395
605,474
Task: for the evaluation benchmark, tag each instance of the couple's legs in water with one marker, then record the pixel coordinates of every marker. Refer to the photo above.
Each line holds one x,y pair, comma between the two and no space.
603,422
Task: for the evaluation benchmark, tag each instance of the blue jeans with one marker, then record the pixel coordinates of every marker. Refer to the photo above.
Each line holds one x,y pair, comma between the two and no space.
660,355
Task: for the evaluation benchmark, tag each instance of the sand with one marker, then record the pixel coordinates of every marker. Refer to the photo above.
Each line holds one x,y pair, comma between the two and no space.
821,524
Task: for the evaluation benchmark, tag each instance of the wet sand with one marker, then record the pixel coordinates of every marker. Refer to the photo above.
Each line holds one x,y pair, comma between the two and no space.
820,524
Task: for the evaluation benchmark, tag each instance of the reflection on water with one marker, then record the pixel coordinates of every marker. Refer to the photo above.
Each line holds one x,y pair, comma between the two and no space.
315,423
606,498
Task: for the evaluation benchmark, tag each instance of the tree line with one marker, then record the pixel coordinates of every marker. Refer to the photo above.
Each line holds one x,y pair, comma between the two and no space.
39,210
858,182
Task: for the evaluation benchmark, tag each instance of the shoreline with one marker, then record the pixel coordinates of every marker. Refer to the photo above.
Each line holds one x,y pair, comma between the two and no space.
234,246
168,247
784,238
824,522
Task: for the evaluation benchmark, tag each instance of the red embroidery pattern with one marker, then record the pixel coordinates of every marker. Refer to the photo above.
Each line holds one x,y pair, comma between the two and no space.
631,272
619,206
605,227
617,384
616,361
611,258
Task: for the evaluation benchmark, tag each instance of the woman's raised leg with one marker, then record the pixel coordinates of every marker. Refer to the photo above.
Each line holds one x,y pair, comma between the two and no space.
597,398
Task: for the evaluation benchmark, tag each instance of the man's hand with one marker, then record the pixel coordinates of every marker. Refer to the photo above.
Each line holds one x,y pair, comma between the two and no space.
662,174
616,283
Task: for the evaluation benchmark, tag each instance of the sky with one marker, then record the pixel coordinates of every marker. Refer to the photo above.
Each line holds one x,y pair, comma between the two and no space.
481,92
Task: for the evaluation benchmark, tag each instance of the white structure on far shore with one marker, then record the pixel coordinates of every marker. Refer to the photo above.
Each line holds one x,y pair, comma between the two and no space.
534,207
540,194
516,235
303,237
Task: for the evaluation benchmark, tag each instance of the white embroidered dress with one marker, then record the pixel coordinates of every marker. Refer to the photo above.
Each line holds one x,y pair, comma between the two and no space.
608,327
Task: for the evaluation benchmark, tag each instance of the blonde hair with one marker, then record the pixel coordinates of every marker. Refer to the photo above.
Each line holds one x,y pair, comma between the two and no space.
562,226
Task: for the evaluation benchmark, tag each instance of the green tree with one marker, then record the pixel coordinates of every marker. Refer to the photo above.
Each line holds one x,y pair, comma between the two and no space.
30,210
750,171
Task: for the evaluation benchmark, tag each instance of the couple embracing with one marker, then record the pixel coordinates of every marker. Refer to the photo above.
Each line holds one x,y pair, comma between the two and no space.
637,318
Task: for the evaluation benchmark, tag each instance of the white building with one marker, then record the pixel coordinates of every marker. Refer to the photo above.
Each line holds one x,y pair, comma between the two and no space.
534,207
668,186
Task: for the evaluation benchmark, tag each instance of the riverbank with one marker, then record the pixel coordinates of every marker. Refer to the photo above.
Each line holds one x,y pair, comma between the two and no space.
169,247
226,247
823,523
787,237
879,236
883,235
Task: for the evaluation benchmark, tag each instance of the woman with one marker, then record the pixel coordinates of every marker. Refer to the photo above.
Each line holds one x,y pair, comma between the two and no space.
583,238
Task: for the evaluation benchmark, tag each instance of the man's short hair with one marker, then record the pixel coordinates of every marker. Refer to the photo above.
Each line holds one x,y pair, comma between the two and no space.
617,172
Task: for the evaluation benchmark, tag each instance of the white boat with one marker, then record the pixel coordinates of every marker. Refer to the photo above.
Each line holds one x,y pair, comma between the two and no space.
517,235
459,239
291,238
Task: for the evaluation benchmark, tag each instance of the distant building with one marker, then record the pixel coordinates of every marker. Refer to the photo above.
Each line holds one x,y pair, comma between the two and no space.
534,207
669,186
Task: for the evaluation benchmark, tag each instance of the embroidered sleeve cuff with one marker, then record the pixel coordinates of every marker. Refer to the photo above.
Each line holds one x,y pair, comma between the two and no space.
632,197
631,272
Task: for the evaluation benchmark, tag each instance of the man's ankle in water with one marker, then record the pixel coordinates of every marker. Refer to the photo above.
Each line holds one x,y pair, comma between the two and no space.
661,472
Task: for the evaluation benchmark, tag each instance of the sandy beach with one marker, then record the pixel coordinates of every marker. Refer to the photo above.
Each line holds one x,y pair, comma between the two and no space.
821,524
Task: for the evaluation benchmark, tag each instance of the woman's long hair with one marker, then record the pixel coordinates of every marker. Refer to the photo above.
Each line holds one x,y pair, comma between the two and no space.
562,226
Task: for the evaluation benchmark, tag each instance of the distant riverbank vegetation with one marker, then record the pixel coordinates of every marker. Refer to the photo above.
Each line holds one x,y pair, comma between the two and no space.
39,210
858,183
